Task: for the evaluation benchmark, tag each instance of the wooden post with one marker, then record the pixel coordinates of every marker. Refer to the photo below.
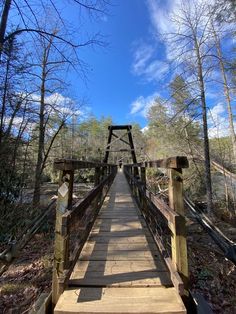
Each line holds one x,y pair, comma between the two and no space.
61,244
104,174
130,178
70,186
97,180
105,171
178,239
143,175
131,181
143,181
97,176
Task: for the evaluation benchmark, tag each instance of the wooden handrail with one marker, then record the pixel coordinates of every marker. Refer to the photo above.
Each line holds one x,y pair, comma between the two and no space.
74,164
173,213
162,206
170,162
67,213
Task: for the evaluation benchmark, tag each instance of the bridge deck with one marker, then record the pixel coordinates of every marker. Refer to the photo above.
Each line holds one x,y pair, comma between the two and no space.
120,269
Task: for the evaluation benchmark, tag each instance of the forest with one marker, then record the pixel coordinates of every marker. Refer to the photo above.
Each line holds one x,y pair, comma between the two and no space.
42,119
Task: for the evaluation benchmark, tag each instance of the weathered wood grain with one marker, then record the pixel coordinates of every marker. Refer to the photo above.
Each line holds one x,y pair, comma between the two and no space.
111,300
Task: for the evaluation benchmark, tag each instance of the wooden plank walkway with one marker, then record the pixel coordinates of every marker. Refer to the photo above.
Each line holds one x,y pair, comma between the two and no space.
120,270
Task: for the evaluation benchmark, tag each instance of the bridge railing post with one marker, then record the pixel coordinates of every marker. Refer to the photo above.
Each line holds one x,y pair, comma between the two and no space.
97,180
136,177
178,239
61,247
97,176
144,184
132,182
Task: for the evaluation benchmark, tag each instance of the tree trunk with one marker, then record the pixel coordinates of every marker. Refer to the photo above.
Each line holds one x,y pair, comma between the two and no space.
38,170
207,161
4,97
3,23
41,160
226,92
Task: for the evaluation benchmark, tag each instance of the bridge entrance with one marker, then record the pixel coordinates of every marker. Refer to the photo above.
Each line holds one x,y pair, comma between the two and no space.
108,256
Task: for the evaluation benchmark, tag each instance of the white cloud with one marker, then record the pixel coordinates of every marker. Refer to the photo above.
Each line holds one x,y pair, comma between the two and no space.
156,70
137,105
166,16
218,122
146,65
142,104
55,103
142,55
159,14
20,122
145,129
217,111
58,102
168,20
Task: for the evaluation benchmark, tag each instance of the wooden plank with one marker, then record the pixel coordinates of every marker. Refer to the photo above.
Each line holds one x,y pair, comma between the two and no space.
73,164
124,220
128,218
120,300
125,201
120,210
120,127
109,267
121,205
118,215
123,246
123,279
119,240
113,256
116,228
126,233
121,273
171,162
92,247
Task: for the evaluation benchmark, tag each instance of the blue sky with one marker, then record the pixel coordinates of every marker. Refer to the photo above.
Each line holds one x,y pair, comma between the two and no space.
117,77
134,69
125,77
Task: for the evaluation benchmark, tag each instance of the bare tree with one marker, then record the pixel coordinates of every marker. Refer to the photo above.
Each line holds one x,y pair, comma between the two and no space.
59,48
49,83
29,21
222,64
193,45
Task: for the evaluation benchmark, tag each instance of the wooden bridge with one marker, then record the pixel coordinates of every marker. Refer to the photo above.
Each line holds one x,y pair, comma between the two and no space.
109,256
